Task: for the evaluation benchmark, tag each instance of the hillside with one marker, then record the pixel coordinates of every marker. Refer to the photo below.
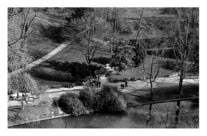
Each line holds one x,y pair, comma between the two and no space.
38,45
49,22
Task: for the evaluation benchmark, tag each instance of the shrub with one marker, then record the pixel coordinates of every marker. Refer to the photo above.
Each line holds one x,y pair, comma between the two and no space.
109,100
78,82
77,70
55,102
133,79
52,32
170,54
70,104
116,79
168,65
119,61
102,60
22,83
51,74
87,97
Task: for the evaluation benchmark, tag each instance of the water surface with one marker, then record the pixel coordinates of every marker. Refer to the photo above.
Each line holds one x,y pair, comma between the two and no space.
133,118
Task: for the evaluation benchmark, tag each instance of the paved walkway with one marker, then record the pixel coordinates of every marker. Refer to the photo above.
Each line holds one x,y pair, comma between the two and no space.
160,82
175,80
55,90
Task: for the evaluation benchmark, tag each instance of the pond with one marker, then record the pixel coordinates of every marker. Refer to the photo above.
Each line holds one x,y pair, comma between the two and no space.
133,118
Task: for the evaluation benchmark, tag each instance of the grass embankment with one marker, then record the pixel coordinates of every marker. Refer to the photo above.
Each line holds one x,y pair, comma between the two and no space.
161,93
41,109
163,116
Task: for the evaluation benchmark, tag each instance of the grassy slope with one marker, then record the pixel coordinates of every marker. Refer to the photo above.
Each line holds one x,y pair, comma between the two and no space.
138,72
161,93
39,45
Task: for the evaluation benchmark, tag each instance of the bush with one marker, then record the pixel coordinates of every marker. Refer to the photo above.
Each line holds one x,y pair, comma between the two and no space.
109,100
112,79
170,54
55,102
87,97
168,65
133,79
51,74
102,60
70,104
119,62
77,70
22,83
79,82
53,32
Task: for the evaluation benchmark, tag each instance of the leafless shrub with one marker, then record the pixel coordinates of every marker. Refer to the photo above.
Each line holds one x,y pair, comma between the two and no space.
22,83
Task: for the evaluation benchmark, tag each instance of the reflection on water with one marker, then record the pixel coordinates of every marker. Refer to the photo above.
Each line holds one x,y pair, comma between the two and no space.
87,121
133,118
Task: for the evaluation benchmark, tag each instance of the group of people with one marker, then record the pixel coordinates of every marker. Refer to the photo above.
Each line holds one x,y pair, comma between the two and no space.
92,83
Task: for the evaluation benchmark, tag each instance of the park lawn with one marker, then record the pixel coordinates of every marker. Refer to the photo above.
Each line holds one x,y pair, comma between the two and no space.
42,109
138,72
162,93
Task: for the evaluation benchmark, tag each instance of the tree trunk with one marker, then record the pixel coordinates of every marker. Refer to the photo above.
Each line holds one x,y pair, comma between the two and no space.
180,95
89,67
181,82
177,112
151,91
150,105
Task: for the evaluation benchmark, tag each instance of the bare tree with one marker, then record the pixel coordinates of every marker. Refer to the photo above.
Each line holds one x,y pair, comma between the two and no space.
56,51
138,49
114,20
183,32
27,18
20,27
152,73
185,42
92,40
46,57
89,46
20,22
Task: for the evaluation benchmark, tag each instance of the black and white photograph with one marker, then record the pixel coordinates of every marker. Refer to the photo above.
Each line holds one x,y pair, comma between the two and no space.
103,67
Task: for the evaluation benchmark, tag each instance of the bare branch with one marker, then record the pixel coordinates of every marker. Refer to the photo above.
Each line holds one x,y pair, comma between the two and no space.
157,73
139,27
10,43
46,57
24,29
